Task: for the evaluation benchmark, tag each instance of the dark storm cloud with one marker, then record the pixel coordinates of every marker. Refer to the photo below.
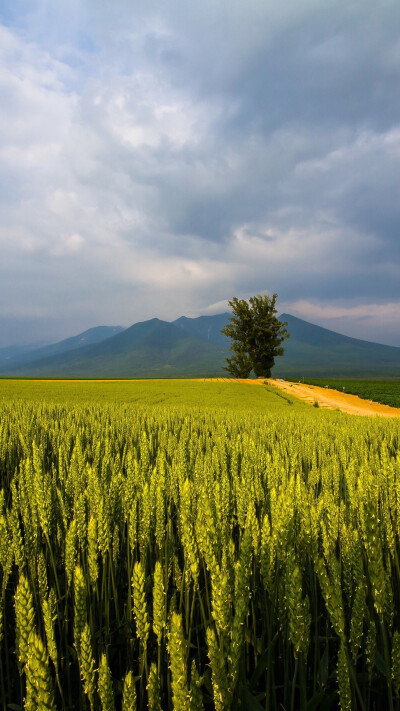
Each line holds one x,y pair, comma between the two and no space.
159,158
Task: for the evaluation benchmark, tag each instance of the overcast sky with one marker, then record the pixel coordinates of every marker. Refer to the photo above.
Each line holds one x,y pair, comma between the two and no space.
157,159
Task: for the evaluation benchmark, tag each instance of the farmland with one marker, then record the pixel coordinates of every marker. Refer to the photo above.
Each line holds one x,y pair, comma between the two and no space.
386,392
220,394
195,545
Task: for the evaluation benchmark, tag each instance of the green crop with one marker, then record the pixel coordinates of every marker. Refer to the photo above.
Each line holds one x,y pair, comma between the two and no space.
224,551
386,392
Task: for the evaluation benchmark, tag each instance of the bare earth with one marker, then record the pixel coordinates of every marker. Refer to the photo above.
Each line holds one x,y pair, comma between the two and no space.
334,399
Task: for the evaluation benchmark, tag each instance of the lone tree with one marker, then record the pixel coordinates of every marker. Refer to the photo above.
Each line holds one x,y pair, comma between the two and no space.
256,336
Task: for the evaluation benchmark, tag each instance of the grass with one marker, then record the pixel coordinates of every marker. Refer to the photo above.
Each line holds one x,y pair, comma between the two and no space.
385,392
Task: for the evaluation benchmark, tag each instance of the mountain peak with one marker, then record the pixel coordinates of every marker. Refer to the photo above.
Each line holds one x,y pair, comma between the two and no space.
195,347
207,328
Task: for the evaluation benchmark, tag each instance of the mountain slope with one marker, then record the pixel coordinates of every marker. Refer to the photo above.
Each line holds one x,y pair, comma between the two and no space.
195,348
150,348
313,350
19,358
206,327
12,354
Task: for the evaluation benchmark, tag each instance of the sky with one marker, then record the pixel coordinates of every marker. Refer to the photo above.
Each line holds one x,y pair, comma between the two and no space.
159,158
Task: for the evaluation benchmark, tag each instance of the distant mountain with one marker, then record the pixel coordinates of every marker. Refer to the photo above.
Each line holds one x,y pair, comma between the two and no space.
206,327
315,351
147,349
311,349
194,347
12,353
18,356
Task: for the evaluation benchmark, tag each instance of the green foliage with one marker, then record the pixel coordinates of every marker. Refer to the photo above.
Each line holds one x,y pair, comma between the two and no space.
239,364
257,336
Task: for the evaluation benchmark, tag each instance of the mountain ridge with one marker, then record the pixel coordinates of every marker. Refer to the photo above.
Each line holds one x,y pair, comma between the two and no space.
194,347
147,348
206,327
305,324
90,336
315,350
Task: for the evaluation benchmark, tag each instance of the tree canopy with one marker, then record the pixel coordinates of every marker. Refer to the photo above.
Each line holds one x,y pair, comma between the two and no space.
257,336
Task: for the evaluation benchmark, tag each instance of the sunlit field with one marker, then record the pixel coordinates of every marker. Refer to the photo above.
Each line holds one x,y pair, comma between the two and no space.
171,393
195,545
386,392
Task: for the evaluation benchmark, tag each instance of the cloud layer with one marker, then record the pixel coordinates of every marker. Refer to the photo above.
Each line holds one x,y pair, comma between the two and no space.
157,159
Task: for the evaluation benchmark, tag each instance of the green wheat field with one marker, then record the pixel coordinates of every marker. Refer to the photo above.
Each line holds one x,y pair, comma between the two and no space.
189,545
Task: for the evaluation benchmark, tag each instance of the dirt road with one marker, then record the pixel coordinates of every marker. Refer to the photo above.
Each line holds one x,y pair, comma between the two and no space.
334,399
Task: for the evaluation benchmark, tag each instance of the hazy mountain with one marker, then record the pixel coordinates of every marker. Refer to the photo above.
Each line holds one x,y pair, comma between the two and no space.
149,348
21,355
12,353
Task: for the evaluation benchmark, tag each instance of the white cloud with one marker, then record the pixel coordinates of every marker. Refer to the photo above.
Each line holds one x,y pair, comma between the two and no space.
68,244
333,311
369,321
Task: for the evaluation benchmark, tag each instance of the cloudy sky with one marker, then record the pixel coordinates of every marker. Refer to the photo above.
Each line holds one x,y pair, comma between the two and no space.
157,159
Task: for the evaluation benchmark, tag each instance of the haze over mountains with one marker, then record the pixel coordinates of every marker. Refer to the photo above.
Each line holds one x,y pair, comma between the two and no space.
16,356
195,347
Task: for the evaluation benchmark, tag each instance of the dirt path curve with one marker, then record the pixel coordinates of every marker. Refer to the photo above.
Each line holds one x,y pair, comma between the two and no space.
334,399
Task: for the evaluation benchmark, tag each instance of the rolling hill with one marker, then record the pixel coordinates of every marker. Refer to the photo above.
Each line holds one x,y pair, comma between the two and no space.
194,347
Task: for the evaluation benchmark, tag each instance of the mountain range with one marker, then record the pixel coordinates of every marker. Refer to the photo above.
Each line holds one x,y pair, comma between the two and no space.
195,347
16,356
